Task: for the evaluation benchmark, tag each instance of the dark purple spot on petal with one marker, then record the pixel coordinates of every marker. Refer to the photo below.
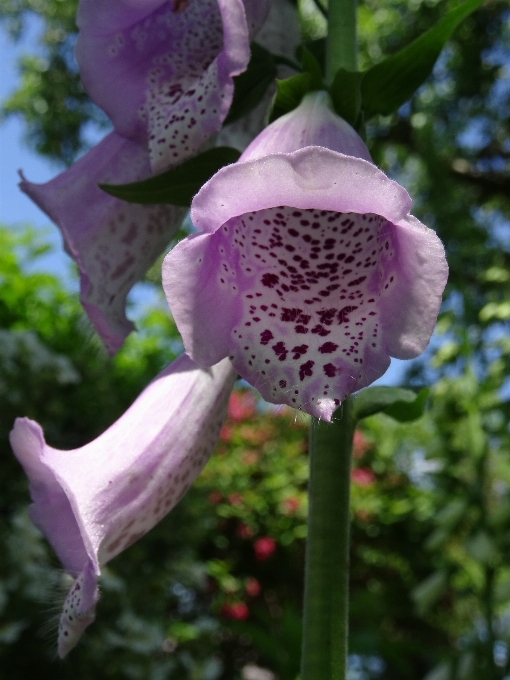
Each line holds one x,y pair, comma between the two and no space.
265,337
306,369
328,348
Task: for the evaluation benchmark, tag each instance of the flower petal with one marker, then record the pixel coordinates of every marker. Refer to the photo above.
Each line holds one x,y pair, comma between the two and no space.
162,71
293,298
95,501
311,273
318,126
79,610
310,177
112,242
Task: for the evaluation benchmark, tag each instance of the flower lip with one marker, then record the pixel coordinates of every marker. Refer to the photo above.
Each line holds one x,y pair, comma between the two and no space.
311,177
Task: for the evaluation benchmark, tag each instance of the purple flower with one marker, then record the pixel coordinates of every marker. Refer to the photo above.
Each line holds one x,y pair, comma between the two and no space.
162,70
95,501
311,272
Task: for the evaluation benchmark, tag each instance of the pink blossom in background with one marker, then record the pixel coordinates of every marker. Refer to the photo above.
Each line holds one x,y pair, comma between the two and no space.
252,587
359,445
310,271
362,476
291,505
242,405
238,611
244,531
264,548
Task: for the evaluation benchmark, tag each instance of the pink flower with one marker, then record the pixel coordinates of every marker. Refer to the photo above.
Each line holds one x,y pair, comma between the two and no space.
238,611
252,587
235,499
242,405
264,548
359,445
291,505
162,70
362,476
93,502
244,531
310,272
215,497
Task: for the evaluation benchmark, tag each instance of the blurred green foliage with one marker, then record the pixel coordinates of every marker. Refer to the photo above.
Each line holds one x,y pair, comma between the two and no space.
430,586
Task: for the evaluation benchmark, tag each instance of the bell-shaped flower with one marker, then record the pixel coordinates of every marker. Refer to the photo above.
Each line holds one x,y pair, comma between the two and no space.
93,502
163,72
310,272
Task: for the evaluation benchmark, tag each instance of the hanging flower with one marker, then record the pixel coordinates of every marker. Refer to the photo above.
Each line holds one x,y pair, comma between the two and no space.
162,70
93,502
310,272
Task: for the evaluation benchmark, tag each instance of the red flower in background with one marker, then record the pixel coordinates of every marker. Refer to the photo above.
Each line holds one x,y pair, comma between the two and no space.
359,445
244,531
238,611
252,587
215,497
242,405
291,505
264,548
363,476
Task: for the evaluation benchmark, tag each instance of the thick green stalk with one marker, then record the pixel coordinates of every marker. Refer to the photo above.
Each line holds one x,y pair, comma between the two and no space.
342,45
325,618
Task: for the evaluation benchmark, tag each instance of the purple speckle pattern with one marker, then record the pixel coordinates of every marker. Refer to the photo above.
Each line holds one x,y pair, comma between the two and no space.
163,71
78,611
307,285
183,93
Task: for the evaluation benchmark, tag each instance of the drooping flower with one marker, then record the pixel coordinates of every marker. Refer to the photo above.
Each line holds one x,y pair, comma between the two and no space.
93,502
162,70
310,272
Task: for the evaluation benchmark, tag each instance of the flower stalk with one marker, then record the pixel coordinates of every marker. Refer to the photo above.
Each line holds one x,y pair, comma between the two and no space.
325,618
341,45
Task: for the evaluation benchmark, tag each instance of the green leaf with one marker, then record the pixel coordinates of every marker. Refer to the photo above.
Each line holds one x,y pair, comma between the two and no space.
251,85
291,91
317,48
426,593
345,91
289,94
389,84
177,185
403,405
312,66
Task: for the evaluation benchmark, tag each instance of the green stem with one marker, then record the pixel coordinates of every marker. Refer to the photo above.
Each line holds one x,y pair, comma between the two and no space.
489,615
325,618
341,46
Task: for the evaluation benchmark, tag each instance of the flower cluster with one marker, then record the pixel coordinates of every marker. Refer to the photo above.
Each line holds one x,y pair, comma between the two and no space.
307,275
162,71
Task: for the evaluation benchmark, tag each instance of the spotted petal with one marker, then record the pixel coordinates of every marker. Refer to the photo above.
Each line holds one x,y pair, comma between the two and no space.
162,70
95,501
310,272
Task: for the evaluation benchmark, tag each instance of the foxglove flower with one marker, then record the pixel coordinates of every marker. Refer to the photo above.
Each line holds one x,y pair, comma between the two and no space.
162,70
95,501
310,272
